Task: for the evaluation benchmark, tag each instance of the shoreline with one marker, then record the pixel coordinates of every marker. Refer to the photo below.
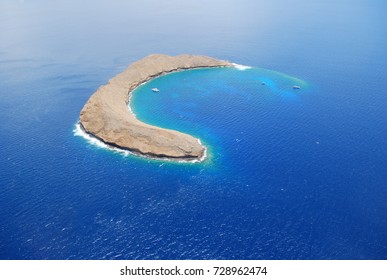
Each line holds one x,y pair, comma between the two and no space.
108,118
80,132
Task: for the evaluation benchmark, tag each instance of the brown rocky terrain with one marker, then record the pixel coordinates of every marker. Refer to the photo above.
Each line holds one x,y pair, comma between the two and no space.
107,117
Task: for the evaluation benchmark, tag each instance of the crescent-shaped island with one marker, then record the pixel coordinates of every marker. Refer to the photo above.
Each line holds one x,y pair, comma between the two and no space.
107,117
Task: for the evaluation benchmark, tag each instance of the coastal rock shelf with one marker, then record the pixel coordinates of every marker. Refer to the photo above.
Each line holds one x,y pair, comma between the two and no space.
106,115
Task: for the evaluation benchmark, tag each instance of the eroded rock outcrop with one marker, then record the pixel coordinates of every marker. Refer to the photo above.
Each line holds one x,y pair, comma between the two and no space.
107,117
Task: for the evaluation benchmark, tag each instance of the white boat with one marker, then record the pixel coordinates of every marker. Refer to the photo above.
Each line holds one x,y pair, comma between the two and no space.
296,87
155,90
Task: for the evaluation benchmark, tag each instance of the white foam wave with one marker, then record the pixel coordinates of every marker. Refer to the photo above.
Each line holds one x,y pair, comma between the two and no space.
130,93
128,105
204,156
78,131
241,67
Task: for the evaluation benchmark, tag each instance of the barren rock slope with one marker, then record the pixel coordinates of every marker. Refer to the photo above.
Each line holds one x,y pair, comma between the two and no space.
107,117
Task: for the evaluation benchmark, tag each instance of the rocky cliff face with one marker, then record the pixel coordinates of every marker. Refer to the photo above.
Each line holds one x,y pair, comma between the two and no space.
107,117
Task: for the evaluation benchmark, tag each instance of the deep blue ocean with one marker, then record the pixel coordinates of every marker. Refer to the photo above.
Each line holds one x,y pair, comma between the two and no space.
290,174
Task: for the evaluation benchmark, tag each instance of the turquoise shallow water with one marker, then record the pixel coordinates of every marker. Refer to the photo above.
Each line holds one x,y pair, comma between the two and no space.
209,103
291,174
